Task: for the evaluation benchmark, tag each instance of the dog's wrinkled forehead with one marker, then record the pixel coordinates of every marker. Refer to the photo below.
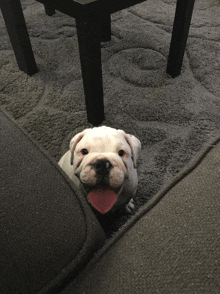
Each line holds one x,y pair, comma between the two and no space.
103,139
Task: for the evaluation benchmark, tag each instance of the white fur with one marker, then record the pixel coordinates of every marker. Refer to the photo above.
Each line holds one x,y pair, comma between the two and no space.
104,143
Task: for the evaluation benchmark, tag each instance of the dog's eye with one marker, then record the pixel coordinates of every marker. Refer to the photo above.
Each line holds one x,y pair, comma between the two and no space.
84,151
121,153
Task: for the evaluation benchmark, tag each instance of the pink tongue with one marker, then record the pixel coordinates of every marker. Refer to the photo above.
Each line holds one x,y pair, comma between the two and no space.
102,198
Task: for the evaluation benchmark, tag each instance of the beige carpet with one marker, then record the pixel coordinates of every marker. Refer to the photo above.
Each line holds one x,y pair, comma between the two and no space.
173,118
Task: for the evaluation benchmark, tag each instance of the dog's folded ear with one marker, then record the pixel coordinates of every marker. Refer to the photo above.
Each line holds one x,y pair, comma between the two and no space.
74,141
135,146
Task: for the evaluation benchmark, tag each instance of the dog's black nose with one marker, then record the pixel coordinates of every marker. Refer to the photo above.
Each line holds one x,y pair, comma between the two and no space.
102,166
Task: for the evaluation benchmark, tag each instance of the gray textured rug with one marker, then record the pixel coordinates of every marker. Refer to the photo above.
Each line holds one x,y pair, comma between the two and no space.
173,118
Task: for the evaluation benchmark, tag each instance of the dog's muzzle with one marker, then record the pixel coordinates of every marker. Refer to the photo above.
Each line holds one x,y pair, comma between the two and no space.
102,167
101,196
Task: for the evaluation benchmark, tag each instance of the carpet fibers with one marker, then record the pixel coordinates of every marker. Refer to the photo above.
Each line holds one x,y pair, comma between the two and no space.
173,118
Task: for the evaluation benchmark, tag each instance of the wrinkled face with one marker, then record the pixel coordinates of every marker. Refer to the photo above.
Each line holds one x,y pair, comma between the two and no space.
102,159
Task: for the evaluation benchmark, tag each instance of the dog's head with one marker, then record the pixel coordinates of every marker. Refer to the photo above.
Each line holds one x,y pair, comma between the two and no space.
103,159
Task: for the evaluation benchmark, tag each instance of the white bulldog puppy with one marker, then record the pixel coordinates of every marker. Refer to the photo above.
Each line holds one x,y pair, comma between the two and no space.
102,163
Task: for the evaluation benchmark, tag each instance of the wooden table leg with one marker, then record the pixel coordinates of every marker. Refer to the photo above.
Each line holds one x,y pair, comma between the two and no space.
17,30
89,35
183,15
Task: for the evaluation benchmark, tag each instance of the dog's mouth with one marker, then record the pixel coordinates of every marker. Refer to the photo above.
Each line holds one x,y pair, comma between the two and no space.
102,197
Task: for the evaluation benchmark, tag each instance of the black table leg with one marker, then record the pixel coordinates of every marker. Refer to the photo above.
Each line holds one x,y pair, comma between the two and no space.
106,28
89,35
49,10
183,15
17,30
